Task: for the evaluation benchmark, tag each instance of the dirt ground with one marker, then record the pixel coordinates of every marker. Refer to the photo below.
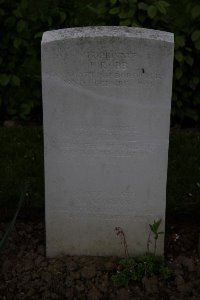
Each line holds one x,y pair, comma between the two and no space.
26,273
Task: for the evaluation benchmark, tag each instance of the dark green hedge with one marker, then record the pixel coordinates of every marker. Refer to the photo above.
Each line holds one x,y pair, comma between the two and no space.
23,21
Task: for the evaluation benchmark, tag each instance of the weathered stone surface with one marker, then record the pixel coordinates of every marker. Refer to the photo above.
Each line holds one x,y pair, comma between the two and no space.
106,100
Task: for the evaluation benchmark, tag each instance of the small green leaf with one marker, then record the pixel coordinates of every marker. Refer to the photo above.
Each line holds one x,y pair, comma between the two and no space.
25,109
192,85
126,15
197,44
183,82
133,1
142,6
162,7
156,225
63,17
195,35
179,104
24,4
33,18
164,3
188,49
10,21
189,60
21,25
174,97
17,42
135,24
152,10
180,40
38,35
11,110
179,56
2,12
4,79
15,80
191,113
126,22
113,1
114,11
151,226
196,101
92,9
195,11
195,80
17,13
49,20
142,18
178,73
101,11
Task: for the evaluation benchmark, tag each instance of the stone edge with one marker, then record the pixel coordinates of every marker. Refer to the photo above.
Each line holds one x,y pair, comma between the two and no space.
106,31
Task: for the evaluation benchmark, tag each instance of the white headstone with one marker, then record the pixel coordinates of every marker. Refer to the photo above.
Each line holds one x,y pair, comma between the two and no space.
106,102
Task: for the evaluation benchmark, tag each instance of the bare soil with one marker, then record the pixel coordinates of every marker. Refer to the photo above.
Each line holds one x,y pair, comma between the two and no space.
26,273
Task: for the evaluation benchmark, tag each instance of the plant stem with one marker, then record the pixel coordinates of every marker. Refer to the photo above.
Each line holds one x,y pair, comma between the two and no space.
148,242
155,246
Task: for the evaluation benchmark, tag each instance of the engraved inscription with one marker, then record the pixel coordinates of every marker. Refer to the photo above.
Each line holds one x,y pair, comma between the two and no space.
112,69
124,142
106,203
111,149
123,133
110,55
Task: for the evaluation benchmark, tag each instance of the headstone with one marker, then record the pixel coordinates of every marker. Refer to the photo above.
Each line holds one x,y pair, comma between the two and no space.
106,102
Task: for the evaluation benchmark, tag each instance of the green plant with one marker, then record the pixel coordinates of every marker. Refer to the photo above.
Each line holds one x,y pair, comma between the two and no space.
154,230
135,268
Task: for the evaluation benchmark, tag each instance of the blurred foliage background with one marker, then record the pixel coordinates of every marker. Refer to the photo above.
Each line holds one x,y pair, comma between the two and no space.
22,23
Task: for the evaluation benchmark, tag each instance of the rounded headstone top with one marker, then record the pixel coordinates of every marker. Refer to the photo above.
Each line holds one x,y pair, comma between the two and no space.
107,31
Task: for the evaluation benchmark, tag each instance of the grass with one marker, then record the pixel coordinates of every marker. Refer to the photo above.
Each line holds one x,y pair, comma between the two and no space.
21,161
183,188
